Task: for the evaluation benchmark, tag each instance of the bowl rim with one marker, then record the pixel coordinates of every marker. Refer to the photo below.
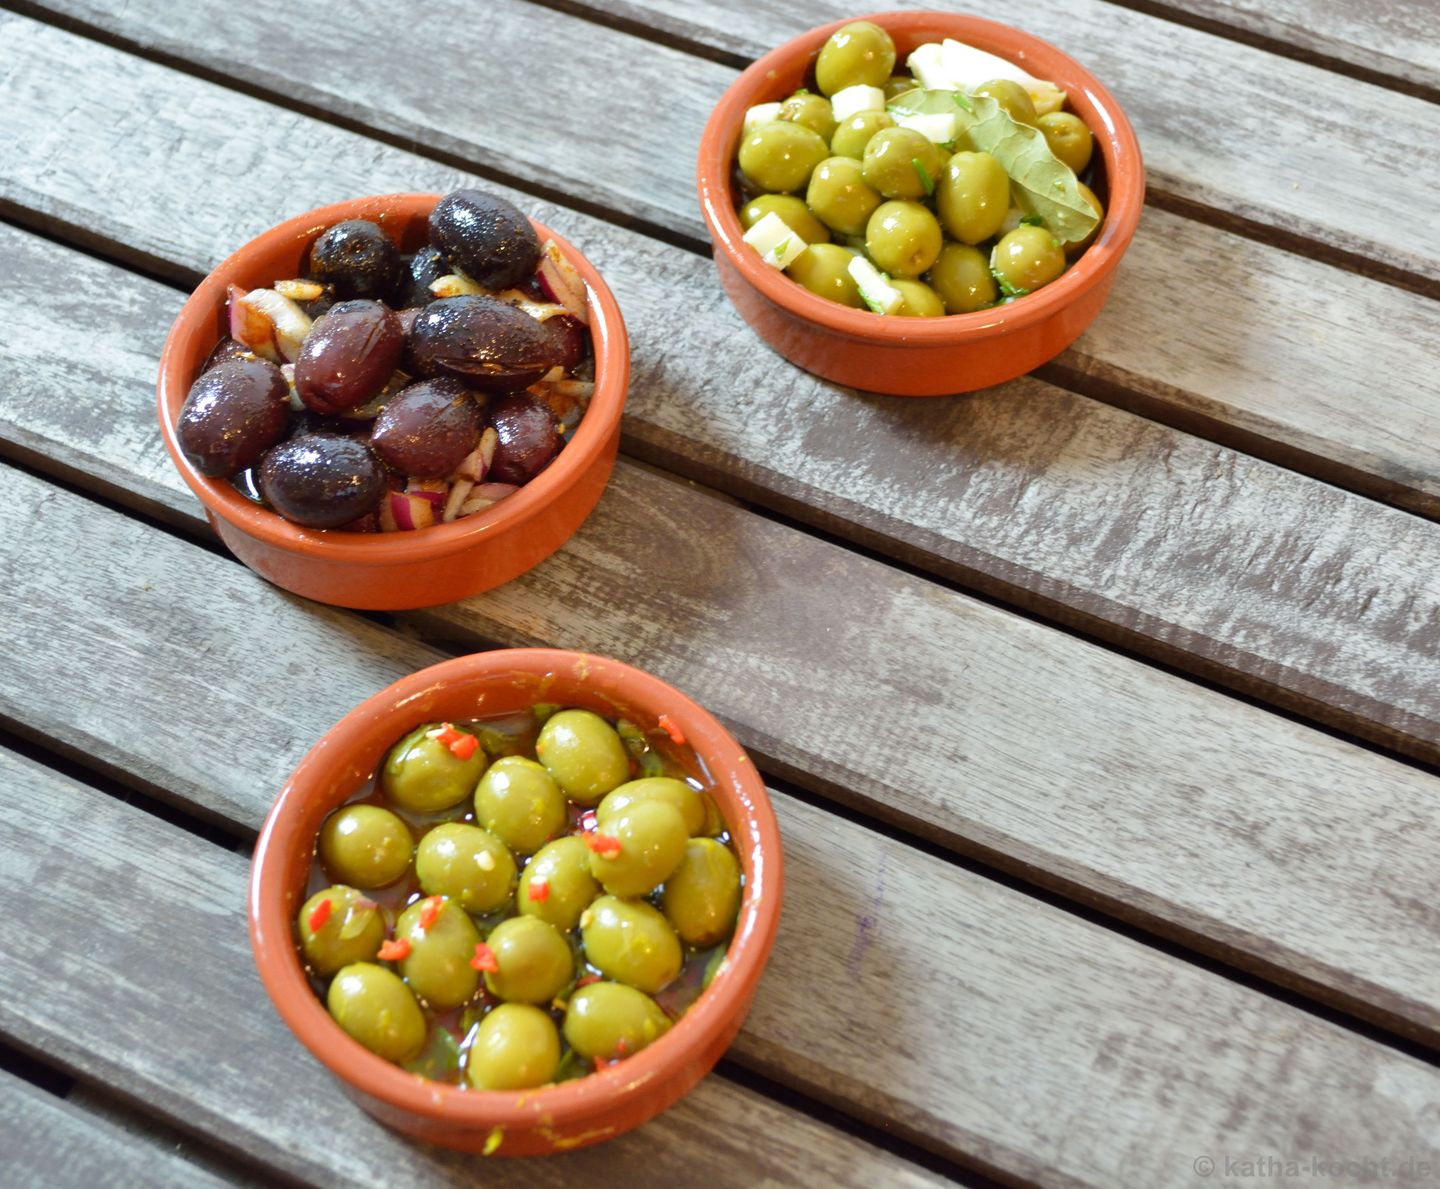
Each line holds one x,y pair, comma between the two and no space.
610,344
1115,137
558,1105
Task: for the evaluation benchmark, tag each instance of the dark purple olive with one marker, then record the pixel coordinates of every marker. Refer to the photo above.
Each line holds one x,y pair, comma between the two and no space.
532,288
426,266
348,356
483,340
224,351
318,307
485,237
357,258
234,412
322,480
529,438
570,339
428,429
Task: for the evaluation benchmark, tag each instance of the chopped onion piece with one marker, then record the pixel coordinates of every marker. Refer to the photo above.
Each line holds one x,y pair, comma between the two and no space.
298,290
584,389
562,283
251,327
405,511
486,494
458,491
474,465
874,285
457,285
539,310
287,323
288,371
555,373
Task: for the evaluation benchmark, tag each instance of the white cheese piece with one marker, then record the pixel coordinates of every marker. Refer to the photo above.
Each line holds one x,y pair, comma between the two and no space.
853,100
927,64
761,113
937,129
875,288
773,238
968,68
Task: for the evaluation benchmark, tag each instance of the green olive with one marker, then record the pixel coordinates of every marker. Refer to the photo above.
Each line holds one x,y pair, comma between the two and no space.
534,961
972,197
582,751
811,110
519,802
438,967
469,865
612,1020
824,269
921,301
690,803
631,942
562,869
651,836
778,156
1074,249
1012,97
713,967
792,210
861,52
897,84
1027,258
1068,137
349,930
853,134
839,197
365,846
422,775
903,238
372,1005
961,276
901,163
702,897
516,1047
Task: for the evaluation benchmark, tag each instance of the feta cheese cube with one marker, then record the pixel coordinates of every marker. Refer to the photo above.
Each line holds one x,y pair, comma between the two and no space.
773,238
875,287
853,100
761,113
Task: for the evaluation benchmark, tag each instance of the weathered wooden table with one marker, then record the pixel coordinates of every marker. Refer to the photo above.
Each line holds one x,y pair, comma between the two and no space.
1101,709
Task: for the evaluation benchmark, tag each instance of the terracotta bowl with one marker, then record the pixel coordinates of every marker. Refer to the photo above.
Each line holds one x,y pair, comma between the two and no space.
389,571
920,356
572,1114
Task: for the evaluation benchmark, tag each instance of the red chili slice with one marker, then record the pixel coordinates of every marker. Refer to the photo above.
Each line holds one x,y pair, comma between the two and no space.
320,914
394,950
539,890
484,959
667,724
605,845
430,911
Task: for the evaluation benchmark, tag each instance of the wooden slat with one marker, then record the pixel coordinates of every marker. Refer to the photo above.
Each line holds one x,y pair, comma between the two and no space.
1250,575
180,1021
51,1142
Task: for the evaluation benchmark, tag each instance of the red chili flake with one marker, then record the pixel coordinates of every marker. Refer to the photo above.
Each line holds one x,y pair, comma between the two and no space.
461,745
539,890
430,911
605,845
667,724
621,1048
588,821
320,914
484,959
586,981
600,1063
394,950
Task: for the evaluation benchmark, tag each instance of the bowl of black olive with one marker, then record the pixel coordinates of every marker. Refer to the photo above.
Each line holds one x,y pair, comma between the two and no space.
397,401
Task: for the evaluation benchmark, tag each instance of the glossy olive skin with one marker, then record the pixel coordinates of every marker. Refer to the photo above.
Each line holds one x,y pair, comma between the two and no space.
519,802
429,428
535,961
516,1047
811,110
853,134
839,196
422,775
903,238
528,438
860,52
489,343
321,480
1012,97
1069,138
702,897
652,839
374,1007
792,210
631,942
348,356
357,259
562,869
1027,258
824,270
235,411
972,197
485,237
608,1020
961,277
420,272
898,162
921,301
778,156
1074,249
352,932
469,865
438,967
365,846
657,788
584,755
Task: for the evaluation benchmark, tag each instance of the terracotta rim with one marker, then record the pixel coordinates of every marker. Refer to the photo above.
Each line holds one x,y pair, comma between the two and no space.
1124,169
196,320
571,1102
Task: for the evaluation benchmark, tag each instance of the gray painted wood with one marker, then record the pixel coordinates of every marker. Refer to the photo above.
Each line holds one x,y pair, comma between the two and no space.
53,1143
180,1022
1242,572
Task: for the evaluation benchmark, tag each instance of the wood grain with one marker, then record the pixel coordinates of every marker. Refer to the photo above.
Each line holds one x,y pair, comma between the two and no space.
52,1142
1072,782
1247,574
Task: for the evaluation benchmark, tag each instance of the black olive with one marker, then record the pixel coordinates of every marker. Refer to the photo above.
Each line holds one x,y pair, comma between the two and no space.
321,481
357,258
485,237
492,345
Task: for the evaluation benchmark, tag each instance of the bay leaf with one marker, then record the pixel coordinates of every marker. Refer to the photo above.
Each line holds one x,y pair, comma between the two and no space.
920,102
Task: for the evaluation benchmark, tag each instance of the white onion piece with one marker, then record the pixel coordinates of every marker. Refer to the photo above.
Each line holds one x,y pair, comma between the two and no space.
288,371
458,491
538,310
251,327
485,495
291,324
581,389
474,465
562,283
458,285
298,290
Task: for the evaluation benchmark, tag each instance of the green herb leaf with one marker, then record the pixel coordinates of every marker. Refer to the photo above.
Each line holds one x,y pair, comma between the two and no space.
1032,221
1006,287
781,248
921,102
1041,183
925,179
962,101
